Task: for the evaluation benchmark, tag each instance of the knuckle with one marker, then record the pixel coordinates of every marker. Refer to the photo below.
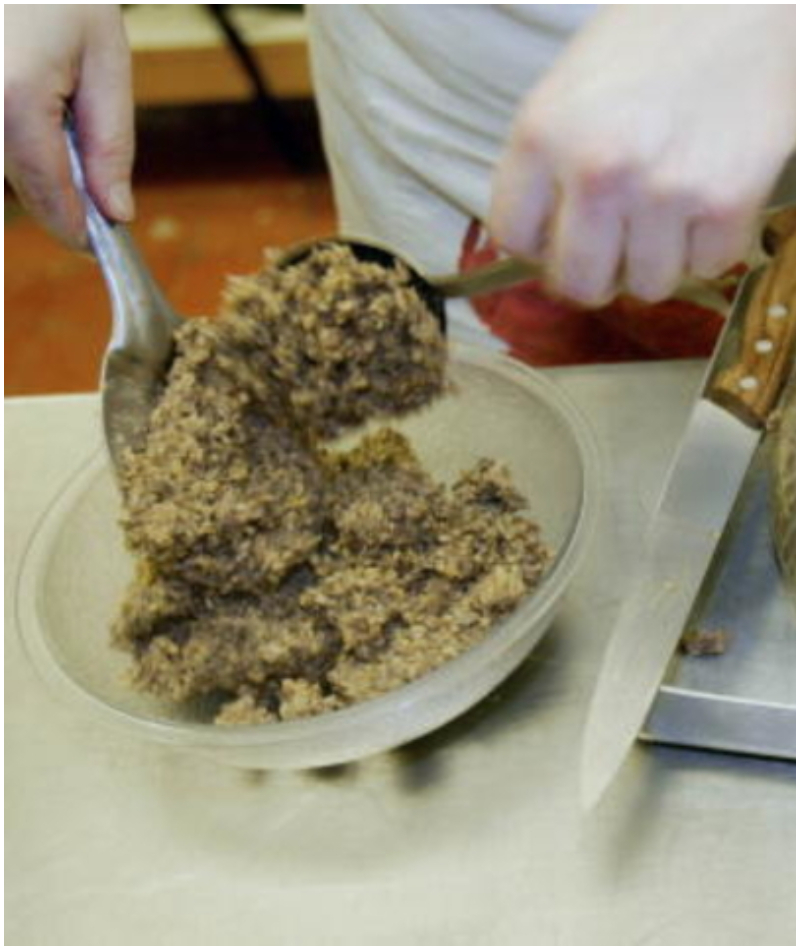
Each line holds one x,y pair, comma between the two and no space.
603,176
722,212
721,206
111,150
707,268
536,129
23,168
527,136
670,192
581,286
646,290
714,254
16,103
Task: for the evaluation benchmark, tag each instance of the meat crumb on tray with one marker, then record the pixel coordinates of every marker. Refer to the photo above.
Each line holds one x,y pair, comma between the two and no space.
705,641
278,577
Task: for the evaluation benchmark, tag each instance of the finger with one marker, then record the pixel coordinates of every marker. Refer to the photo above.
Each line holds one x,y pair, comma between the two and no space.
523,196
655,253
37,167
103,110
586,248
719,240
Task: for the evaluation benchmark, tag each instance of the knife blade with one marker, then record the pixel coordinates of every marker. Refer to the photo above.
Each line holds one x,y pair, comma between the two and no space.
742,384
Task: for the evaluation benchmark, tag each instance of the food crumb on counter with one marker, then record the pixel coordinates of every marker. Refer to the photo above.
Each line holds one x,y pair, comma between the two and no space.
704,641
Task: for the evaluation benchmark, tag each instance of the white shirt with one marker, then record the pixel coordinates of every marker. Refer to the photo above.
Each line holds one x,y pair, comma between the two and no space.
416,101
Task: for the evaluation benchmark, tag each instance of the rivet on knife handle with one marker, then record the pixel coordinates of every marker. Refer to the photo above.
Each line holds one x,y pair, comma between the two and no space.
751,387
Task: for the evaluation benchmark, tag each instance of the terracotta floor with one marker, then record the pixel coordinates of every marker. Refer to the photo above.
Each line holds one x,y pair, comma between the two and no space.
199,217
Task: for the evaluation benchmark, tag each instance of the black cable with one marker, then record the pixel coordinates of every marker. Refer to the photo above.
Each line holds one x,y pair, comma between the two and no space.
274,115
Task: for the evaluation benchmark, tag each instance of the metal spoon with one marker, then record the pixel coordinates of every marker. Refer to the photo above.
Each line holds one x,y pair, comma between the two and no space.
143,322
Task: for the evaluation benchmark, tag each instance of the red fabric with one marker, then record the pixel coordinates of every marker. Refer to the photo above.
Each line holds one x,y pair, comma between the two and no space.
545,332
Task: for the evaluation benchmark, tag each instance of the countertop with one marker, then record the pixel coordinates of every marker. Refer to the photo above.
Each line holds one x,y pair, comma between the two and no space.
473,835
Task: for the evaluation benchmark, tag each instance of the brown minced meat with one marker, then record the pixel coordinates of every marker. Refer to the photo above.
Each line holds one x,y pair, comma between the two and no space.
278,577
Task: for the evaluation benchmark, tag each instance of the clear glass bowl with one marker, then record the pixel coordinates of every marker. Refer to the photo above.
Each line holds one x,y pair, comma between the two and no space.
76,569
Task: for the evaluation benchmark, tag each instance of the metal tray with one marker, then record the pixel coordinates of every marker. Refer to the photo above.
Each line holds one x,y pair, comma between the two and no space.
743,700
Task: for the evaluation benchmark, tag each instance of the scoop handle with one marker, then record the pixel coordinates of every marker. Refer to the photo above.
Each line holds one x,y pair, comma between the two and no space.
143,320
509,271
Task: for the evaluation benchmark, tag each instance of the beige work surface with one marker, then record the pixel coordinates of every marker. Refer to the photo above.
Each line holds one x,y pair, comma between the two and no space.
471,836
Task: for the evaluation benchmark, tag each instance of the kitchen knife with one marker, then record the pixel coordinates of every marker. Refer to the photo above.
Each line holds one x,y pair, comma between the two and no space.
745,377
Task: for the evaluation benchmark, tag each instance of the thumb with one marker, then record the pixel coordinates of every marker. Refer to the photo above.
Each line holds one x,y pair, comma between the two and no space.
103,109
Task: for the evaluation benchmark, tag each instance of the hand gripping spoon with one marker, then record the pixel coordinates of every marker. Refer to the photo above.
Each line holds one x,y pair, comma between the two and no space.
497,275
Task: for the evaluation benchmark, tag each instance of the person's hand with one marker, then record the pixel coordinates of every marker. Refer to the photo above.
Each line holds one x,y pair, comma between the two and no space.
648,150
54,56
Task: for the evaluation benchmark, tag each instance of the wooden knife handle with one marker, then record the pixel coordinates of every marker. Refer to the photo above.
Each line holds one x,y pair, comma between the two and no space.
751,386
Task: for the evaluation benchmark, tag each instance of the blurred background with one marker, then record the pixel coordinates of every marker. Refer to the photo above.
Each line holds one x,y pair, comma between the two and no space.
228,162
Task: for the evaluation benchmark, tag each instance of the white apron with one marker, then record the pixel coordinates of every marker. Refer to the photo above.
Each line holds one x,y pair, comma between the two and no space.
416,101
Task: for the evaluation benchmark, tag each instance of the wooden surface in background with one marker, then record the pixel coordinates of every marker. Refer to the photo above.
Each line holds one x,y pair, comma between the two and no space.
181,58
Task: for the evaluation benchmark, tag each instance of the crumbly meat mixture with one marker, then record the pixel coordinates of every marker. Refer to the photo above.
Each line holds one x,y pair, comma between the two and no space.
276,576
705,641
331,342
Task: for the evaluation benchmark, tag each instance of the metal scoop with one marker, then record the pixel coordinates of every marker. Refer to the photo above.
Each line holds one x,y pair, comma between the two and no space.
143,323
